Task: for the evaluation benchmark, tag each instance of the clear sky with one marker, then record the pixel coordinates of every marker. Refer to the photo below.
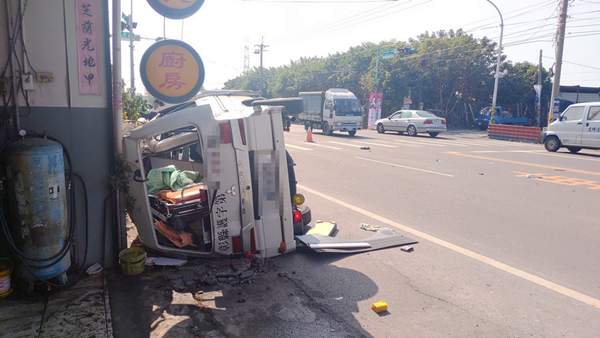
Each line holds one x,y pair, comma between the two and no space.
292,29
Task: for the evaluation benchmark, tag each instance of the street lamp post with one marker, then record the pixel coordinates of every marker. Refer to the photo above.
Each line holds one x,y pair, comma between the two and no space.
497,75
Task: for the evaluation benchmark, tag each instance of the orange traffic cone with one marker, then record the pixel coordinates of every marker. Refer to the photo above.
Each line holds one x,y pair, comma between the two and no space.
309,136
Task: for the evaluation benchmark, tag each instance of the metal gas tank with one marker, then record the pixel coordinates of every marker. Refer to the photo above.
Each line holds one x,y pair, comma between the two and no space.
38,206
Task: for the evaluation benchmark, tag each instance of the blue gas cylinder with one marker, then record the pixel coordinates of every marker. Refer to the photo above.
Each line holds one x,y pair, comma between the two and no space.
35,179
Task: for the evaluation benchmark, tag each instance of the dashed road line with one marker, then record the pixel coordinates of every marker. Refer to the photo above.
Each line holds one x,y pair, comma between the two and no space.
296,147
405,167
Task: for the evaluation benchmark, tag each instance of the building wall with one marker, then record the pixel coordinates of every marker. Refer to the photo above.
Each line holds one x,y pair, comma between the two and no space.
83,123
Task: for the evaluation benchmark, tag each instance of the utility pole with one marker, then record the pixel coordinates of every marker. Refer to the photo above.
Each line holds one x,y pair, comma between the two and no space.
538,91
260,51
246,56
559,53
131,37
497,75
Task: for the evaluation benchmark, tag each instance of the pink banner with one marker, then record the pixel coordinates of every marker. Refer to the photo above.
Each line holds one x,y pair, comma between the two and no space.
374,108
89,38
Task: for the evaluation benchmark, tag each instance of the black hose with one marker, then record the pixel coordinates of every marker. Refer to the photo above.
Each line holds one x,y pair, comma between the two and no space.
60,255
55,259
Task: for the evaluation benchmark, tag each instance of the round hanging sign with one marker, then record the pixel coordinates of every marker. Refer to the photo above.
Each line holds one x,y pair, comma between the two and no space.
176,9
172,71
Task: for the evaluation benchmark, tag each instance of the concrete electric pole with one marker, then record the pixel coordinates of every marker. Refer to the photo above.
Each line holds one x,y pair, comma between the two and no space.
562,23
497,75
260,50
538,91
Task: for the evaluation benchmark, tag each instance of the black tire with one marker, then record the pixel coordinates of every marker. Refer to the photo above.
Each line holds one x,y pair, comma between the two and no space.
352,132
552,144
411,130
400,133
574,150
433,134
483,127
300,228
380,128
326,129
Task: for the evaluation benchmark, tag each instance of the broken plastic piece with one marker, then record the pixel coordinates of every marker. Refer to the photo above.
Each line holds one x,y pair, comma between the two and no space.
406,248
163,261
371,227
379,307
382,239
533,176
365,148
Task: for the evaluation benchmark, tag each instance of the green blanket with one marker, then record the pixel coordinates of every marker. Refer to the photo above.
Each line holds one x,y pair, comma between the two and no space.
170,178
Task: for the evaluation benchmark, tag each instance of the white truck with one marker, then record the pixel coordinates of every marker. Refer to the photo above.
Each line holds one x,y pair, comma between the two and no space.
331,110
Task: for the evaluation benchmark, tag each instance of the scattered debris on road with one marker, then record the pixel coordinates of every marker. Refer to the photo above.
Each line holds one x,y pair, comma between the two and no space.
372,227
379,307
533,176
365,148
163,261
407,248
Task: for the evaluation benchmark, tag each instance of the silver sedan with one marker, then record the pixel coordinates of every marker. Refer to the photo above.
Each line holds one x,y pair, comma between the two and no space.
412,122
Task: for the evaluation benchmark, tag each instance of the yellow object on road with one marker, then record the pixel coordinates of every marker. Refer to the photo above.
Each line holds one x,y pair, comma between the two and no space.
379,306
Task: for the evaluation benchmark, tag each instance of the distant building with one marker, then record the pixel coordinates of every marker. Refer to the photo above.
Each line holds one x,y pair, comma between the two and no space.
578,94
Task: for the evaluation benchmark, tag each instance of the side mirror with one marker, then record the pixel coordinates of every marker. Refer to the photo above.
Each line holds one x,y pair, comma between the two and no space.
389,117
561,118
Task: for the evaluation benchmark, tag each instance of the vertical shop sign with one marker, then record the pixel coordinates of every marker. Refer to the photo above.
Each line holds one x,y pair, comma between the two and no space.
89,35
374,108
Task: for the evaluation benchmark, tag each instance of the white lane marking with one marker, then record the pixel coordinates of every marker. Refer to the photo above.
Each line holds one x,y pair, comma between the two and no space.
507,151
481,258
324,146
405,167
296,147
376,144
420,143
565,155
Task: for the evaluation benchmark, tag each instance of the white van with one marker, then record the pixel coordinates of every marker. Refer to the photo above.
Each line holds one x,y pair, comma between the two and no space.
578,127
212,177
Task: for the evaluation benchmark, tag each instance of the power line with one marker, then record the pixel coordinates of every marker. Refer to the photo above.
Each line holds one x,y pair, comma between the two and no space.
347,26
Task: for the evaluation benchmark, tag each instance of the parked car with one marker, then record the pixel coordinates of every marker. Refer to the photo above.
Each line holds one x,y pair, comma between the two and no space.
412,122
212,177
578,127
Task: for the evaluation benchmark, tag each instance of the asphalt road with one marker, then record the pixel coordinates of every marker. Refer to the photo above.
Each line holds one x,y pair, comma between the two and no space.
499,254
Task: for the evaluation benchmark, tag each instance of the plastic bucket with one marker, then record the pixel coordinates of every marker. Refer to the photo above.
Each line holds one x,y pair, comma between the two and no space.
133,261
5,288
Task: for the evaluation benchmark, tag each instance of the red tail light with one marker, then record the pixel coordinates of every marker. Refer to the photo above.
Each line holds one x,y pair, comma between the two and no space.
242,130
443,121
428,122
225,133
252,241
297,216
237,244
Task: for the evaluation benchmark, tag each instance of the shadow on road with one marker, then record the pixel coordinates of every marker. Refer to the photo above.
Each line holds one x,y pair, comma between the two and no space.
241,298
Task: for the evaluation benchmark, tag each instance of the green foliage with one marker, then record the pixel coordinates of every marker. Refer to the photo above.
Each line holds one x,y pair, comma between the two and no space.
132,103
451,71
120,181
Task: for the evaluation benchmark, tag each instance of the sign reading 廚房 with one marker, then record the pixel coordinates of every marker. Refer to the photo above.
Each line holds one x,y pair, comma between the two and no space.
88,35
172,71
176,9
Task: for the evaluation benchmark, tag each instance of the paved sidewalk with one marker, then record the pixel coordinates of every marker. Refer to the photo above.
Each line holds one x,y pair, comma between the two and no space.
78,311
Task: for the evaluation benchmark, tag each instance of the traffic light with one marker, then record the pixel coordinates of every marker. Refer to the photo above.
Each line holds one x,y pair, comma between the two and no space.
406,51
125,25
